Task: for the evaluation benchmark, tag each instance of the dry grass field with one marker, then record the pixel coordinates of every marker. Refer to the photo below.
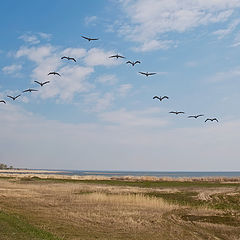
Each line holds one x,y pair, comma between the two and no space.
49,208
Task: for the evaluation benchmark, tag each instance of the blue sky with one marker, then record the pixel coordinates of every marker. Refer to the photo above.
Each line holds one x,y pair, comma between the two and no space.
100,115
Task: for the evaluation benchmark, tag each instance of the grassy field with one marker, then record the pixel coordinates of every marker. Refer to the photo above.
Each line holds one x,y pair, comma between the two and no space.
35,208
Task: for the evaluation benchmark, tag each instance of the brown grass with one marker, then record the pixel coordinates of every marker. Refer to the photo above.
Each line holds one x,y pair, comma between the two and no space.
88,211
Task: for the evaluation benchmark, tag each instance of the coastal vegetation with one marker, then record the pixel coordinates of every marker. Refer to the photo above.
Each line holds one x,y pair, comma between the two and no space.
45,207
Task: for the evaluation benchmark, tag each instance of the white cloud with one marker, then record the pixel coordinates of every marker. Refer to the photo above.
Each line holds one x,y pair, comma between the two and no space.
99,57
90,20
224,32
124,89
31,38
227,75
12,69
143,118
109,79
150,20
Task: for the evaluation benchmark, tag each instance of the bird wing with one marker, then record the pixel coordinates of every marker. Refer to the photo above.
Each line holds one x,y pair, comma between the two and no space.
215,119
73,59
137,62
2,101
173,112
121,56
207,119
93,38
151,73
10,97
191,116
143,73
156,97
181,112
64,57
85,37
18,96
27,90
165,97
33,90
129,62
51,73
113,56
200,115
58,74
37,82
46,82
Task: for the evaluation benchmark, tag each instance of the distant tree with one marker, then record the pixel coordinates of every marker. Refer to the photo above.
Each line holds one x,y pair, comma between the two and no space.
3,166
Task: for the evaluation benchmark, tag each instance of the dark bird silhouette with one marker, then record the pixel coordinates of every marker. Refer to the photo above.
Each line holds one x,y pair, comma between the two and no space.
90,39
42,83
175,112
2,101
211,119
69,58
30,90
116,56
54,73
160,98
147,73
195,116
133,63
14,98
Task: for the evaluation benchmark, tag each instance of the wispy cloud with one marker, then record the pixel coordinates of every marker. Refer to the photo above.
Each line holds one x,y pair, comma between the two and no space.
90,20
109,79
34,38
12,69
150,20
226,76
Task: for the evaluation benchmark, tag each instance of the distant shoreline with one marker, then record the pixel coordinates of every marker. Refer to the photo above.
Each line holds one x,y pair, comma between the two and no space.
30,171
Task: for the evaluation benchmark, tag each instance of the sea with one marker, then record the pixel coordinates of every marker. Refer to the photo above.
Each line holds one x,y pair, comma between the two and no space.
176,174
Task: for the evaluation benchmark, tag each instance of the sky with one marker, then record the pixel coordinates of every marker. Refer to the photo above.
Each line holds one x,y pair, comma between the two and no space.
100,114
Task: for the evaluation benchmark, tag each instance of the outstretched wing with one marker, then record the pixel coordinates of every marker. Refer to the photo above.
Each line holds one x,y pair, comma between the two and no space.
156,97
94,39
86,38
165,97
199,115
51,73
121,56
215,119
27,90
45,82
72,59
181,112
64,57
137,62
173,112
208,119
33,90
113,56
10,97
191,116
129,62
18,96
143,73
38,82
151,73
2,101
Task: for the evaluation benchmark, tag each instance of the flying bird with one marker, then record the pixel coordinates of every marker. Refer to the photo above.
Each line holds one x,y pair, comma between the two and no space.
195,116
133,63
160,98
175,112
2,101
42,83
147,73
90,39
14,98
69,58
30,90
54,73
211,119
116,56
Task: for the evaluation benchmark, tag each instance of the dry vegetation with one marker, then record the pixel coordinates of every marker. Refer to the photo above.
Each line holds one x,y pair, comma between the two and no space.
94,209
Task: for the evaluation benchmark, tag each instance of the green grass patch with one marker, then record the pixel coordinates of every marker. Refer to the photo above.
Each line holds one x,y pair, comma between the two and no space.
14,227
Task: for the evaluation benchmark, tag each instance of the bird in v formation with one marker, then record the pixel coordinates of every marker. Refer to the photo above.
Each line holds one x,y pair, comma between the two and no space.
160,98
69,58
14,97
42,83
113,56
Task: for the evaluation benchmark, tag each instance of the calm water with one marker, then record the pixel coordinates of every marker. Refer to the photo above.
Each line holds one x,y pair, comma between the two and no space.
147,173
155,174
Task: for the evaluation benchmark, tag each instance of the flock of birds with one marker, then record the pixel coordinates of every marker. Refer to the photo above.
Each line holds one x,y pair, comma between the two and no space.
133,63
